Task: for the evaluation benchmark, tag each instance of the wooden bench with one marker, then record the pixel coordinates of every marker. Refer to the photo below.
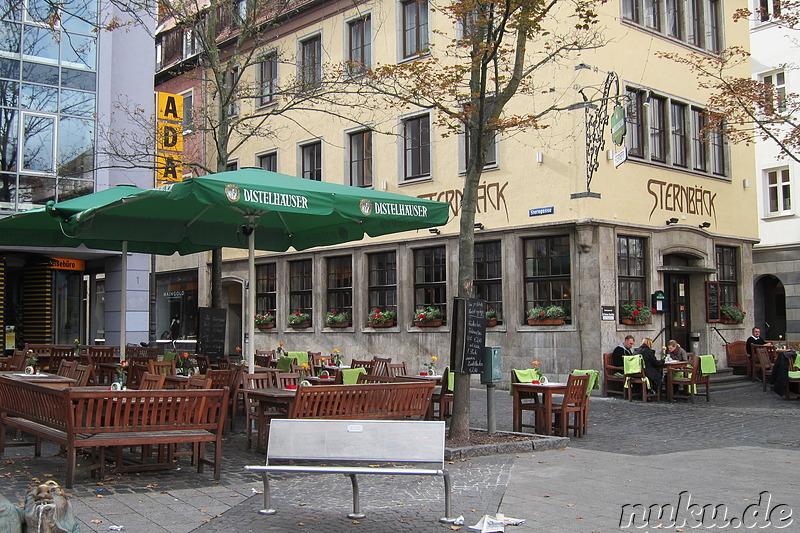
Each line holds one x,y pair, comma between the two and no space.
366,400
351,447
96,418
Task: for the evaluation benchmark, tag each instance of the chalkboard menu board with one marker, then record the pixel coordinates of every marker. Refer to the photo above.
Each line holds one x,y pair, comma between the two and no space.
468,335
712,301
211,332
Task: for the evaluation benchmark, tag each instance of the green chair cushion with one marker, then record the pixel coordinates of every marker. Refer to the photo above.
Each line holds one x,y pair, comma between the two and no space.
350,375
302,357
169,356
594,379
707,365
525,375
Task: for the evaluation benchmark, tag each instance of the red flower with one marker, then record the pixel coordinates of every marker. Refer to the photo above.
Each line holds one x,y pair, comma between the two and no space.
639,305
542,314
635,312
377,310
653,310
297,314
421,315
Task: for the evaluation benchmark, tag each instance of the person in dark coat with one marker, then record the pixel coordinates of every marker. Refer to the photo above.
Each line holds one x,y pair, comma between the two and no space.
676,352
652,365
626,348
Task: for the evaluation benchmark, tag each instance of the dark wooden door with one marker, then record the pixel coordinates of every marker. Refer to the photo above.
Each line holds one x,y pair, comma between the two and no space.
679,318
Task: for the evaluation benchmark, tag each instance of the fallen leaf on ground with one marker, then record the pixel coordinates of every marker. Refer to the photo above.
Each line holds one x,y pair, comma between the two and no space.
95,521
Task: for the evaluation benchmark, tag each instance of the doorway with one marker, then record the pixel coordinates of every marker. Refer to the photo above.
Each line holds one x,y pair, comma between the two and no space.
770,307
679,318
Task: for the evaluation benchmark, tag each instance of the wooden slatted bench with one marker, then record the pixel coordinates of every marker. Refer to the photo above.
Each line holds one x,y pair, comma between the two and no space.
366,400
96,418
352,447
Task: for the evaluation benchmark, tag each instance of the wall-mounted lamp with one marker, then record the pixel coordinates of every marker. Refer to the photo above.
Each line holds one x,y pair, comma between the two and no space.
672,220
539,157
435,231
647,99
704,225
478,225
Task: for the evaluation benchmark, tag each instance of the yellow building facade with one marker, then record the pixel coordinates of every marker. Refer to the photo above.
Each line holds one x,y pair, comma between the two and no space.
668,219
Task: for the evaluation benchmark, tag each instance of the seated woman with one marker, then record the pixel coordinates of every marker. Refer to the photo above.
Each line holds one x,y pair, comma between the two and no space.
676,352
652,365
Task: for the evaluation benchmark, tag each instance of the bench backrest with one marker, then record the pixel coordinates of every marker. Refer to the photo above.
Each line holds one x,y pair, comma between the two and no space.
369,400
35,402
398,441
736,353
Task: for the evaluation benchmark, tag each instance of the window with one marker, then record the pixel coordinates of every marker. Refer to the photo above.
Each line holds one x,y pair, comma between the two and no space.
361,158
232,108
699,143
779,191
768,9
547,273
188,123
430,278
173,46
489,275
657,130
266,289
631,274
300,287
360,38
679,135
717,153
417,147
491,155
635,125
231,166
269,161
696,22
38,142
189,43
311,63
267,79
775,92
727,275
311,155
382,281
415,27
340,284
159,55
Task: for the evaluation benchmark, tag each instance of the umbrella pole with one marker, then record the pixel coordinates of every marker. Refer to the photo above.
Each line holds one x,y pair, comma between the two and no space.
123,294
250,345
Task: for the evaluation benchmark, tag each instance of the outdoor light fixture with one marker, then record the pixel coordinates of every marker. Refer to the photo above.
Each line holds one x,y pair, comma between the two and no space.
674,220
435,231
704,225
539,157
647,100
478,225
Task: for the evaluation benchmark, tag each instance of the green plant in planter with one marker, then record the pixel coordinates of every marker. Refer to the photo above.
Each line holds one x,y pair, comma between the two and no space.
637,312
547,312
337,317
734,312
382,317
491,314
427,314
298,318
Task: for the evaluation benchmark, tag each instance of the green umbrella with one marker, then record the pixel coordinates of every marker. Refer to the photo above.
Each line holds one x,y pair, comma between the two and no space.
252,208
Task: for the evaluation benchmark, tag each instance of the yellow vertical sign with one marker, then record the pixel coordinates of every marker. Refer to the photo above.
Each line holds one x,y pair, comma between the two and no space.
169,138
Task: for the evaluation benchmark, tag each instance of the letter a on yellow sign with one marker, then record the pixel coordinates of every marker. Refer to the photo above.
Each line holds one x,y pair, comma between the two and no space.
170,107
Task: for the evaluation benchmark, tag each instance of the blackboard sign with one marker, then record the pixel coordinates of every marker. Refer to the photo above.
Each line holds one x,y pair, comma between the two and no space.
712,301
468,335
211,332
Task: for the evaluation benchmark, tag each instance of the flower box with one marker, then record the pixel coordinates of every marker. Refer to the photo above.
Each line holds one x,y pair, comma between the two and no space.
491,322
725,320
387,324
546,322
338,324
428,323
265,326
632,322
301,325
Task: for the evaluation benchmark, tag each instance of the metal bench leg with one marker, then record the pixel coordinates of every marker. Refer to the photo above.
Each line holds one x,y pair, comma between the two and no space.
267,508
356,500
447,516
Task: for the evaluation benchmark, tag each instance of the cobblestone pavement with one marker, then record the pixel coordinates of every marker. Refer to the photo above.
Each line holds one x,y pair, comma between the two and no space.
725,451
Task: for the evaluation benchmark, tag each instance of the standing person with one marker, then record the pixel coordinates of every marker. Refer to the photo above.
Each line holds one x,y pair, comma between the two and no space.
675,351
625,348
652,366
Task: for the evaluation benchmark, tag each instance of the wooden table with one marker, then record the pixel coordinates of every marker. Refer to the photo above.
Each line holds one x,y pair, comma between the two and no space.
41,378
316,380
279,399
547,390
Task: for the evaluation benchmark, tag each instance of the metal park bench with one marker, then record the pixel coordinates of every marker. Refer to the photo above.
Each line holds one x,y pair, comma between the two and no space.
351,447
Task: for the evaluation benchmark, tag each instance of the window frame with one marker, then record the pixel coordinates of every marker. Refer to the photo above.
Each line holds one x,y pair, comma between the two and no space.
658,129
339,285
679,134
418,28
430,278
382,281
632,278
694,22
777,99
488,275
188,115
417,151
311,152
267,70
361,158
311,62
531,276
271,155
727,266
266,288
359,54
301,287
782,192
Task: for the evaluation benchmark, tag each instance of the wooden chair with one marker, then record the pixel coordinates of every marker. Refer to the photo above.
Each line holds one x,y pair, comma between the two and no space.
397,369
67,368
282,379
765,365
17,361
636,379
101,358
264,357
356,363
152,381
736,354
61,353
82,375
198,382
203,364
613,377
444,398
135,371
162,367
529,401
683,382
380,366
5,363
219,378
260,380
573,402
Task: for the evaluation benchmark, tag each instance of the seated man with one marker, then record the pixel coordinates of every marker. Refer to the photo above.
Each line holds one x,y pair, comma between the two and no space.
625,348
755,338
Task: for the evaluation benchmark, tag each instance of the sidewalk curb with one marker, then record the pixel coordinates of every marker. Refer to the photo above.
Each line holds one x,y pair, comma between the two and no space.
536,443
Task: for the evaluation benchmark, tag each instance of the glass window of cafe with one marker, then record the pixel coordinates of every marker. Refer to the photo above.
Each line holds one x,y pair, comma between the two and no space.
176,305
